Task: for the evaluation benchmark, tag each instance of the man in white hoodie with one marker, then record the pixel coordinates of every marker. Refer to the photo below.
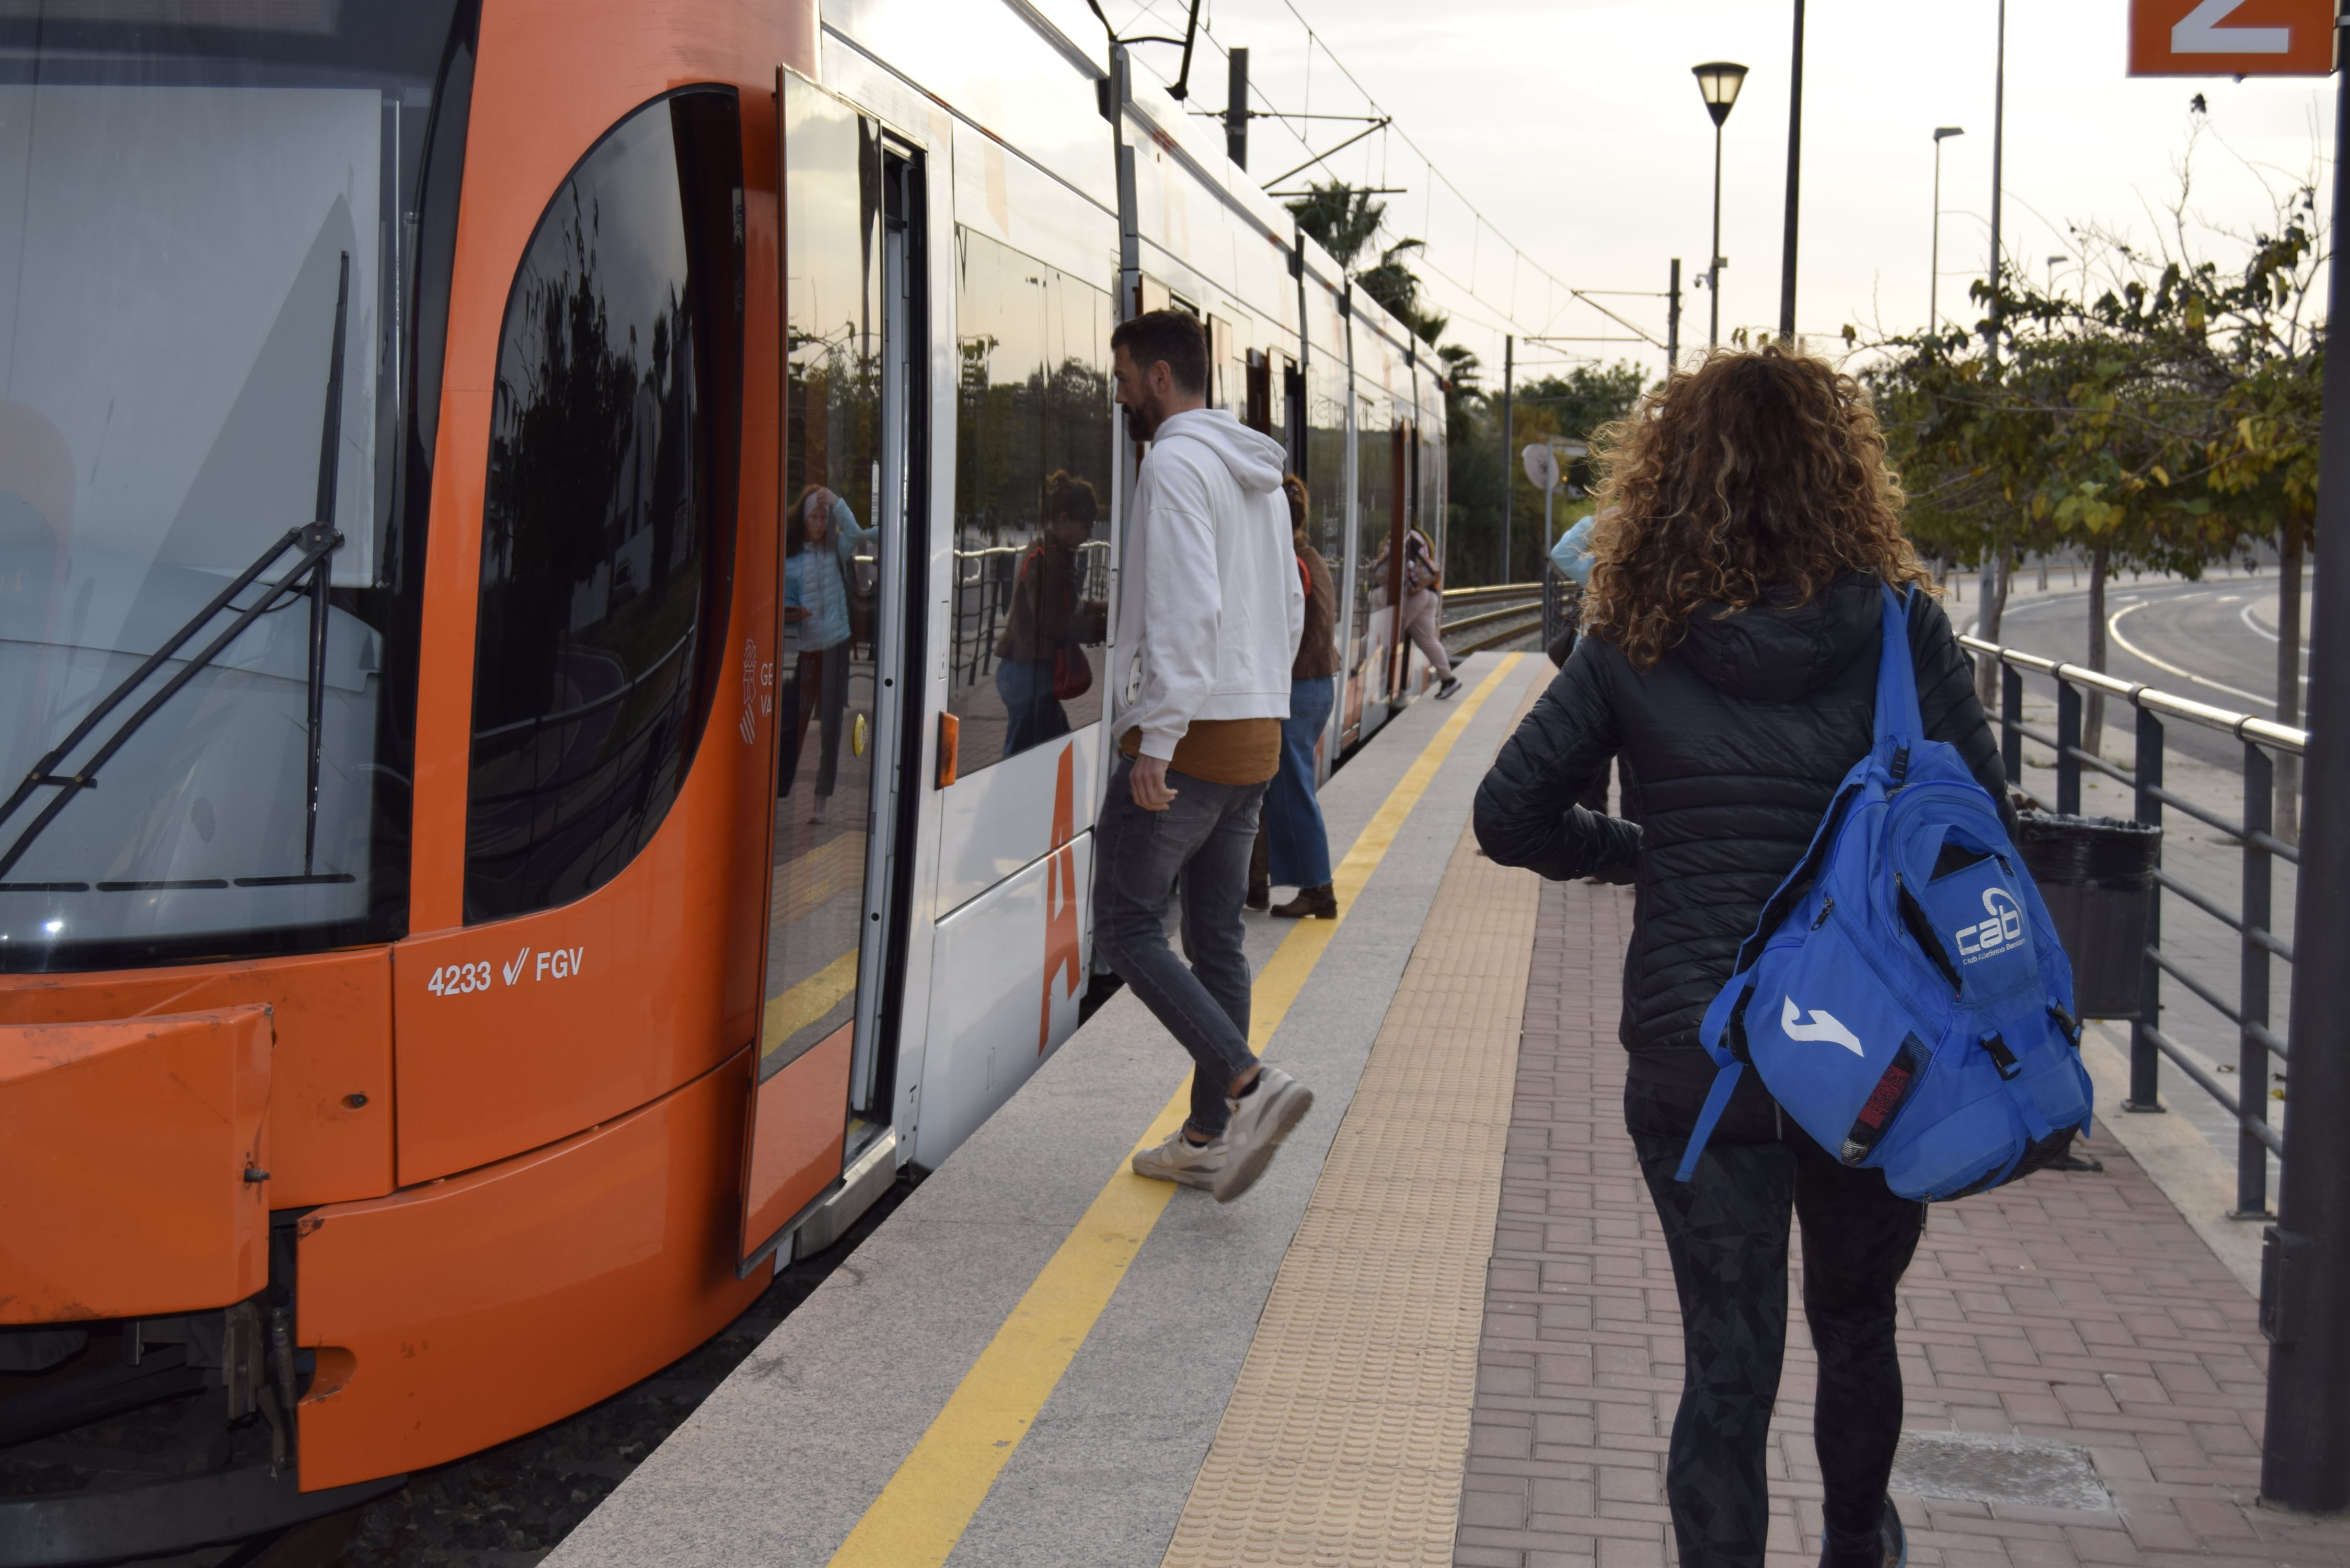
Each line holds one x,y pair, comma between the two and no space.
1210,612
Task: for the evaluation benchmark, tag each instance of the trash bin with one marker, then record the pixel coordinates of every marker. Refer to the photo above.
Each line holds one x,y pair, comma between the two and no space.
2096,876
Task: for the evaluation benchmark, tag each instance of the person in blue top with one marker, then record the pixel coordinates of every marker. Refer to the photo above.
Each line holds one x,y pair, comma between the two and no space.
820,541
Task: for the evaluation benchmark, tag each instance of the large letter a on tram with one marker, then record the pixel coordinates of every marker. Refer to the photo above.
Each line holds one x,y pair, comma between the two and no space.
1063,950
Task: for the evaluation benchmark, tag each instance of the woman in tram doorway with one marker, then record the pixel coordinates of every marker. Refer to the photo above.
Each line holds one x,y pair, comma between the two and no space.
820,541
1293,847
1422,604
1041,656
1730,655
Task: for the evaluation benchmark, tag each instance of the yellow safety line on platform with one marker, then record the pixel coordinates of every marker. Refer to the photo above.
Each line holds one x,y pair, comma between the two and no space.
929,1503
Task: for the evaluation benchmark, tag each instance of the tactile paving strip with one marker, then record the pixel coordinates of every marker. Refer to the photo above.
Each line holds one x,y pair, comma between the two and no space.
1345,1436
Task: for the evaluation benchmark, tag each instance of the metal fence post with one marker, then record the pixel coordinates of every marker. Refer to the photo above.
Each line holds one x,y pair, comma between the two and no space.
2011,722
2305,1449
2068,741
2144,1088
2253,1002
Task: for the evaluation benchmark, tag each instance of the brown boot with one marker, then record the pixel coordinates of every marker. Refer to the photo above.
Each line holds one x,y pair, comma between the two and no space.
1311,903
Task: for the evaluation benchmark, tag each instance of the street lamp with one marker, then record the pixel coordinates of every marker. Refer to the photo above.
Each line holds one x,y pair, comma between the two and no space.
1934,289
1717,81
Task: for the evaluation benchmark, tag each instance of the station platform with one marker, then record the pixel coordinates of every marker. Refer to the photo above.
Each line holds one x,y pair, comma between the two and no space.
1442,1328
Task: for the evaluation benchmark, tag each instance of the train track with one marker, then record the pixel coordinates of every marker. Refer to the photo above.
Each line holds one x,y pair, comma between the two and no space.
1518,614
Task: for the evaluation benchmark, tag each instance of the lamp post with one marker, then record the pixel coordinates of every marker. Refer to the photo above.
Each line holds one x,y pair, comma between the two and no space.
1934,286
1718,82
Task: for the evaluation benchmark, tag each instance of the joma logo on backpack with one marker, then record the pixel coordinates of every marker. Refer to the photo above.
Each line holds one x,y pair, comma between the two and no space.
2001,932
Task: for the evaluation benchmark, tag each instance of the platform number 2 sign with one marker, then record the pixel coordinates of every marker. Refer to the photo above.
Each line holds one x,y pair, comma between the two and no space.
2232,37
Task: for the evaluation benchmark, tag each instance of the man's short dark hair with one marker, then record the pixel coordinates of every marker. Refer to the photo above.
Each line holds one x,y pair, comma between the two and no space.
1172,338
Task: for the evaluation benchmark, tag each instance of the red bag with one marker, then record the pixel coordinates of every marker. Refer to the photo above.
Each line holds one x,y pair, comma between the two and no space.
1073,673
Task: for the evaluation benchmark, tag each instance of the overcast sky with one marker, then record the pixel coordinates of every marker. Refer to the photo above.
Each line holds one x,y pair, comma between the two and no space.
1575,127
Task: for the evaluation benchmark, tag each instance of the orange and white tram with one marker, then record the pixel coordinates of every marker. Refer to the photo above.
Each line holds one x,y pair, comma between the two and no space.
525,792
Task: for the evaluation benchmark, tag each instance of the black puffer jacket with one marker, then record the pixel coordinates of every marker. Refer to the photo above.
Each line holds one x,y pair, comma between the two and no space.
1739,737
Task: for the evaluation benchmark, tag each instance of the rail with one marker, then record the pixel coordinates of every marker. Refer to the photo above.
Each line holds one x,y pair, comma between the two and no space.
2249,1013
1493,595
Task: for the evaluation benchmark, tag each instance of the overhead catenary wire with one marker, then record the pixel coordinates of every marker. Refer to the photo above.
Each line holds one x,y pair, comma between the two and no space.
1488,305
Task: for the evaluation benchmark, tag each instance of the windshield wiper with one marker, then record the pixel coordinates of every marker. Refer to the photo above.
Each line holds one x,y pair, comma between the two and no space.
316,543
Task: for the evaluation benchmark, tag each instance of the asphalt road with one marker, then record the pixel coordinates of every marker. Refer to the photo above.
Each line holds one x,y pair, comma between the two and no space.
2214,641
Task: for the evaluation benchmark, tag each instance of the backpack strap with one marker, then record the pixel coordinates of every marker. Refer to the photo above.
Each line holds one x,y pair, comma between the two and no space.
1717,1100
1897,680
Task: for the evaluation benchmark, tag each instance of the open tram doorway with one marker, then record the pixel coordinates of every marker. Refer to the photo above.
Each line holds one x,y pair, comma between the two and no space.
850,554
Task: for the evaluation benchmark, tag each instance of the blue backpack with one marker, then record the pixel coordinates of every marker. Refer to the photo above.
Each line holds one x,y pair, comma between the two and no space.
1903,993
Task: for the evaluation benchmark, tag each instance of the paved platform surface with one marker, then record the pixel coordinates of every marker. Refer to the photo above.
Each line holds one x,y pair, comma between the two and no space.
2072,1316
788,1462
1443,1328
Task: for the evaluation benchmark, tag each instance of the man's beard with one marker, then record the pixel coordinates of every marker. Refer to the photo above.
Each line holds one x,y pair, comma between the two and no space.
1140,425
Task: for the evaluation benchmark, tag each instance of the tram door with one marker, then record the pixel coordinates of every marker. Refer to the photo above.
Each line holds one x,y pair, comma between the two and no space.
850,197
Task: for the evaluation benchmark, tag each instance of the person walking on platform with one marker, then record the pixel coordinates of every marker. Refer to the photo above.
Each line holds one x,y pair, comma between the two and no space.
1422,608
1293,847
1729,654
1209,617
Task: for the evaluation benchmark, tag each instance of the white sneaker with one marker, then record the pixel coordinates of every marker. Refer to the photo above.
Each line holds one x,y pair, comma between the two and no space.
816,814
1260,1121
1181,1161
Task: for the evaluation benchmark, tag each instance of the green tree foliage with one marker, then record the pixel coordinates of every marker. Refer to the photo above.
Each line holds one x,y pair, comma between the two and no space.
1341,218
2166,418
2171,420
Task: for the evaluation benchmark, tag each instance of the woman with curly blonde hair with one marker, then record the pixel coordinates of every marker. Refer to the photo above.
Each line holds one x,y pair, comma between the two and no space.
1733,626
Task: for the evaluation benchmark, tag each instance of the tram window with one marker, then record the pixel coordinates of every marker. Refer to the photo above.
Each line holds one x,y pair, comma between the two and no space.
1032,444
202,219
607,530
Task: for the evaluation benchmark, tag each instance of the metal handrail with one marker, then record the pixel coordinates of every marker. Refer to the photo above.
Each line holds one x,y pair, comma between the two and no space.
2262,741
2243,726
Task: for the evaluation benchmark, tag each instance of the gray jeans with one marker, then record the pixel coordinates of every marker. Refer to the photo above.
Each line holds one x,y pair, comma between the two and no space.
1202,841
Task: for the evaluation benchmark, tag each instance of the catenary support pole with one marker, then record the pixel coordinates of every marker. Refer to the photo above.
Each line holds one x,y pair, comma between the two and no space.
2305,1265
1673,320
1509,451
1236,110
1794,181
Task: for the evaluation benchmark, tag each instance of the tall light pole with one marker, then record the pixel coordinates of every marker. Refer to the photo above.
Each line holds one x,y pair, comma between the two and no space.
1717,81
1998,151
1992,605
1934,287
1794,171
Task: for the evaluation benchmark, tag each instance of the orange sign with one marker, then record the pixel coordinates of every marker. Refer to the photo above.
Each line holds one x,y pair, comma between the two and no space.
2232,37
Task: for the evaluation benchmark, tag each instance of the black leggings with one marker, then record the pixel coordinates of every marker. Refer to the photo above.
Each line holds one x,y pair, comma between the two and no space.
1727,1231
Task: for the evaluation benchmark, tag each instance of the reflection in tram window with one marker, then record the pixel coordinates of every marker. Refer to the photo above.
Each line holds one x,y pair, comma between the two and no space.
835,468
611,468
1032,501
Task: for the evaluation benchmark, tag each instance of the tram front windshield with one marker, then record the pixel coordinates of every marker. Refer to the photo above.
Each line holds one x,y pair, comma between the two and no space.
207,206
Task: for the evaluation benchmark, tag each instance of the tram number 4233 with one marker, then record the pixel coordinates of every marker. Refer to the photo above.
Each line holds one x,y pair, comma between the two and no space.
465,979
